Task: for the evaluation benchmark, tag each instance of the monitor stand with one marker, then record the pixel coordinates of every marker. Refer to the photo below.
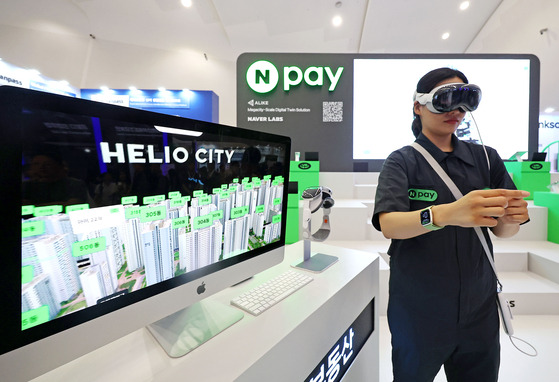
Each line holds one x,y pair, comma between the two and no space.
317,263
185,330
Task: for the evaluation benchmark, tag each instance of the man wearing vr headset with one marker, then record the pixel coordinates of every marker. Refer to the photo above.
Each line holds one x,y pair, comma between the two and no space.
442,289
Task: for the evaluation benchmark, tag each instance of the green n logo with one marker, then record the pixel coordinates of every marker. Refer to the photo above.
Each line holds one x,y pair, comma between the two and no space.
262,76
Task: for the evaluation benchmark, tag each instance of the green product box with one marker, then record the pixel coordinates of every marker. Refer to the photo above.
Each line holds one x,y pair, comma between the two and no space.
306,173
530,176
551,201
292,223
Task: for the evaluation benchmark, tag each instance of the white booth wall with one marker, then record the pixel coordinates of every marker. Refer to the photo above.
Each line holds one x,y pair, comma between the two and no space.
90,63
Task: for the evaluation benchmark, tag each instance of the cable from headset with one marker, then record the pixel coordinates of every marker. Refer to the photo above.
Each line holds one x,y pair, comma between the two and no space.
480,139
535,353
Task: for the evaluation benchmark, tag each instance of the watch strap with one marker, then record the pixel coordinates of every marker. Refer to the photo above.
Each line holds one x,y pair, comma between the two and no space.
431,225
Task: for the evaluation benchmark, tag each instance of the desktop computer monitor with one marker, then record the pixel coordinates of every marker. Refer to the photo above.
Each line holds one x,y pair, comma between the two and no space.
127,216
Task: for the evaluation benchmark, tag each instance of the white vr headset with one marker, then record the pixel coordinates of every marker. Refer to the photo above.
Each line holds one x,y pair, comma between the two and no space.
448,97
315,198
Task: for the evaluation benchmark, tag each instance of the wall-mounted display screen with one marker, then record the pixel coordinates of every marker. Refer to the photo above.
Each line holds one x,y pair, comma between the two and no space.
383,101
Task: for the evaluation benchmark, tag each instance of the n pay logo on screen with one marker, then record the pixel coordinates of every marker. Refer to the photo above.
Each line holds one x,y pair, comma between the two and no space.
263,77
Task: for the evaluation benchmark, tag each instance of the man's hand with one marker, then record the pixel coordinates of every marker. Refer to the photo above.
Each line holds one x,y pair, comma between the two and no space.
482,208
516,211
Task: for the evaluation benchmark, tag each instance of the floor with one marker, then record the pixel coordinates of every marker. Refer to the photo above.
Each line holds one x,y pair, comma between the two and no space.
541,331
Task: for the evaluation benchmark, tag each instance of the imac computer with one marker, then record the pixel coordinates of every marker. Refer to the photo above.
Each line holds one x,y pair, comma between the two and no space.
115,218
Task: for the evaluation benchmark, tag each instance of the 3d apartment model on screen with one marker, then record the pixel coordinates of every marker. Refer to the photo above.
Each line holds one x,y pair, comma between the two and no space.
87,255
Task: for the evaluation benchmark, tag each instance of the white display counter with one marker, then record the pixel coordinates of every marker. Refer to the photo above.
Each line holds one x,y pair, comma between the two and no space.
289,342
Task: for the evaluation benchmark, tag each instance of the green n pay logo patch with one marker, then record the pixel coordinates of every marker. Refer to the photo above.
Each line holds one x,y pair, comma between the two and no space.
423,195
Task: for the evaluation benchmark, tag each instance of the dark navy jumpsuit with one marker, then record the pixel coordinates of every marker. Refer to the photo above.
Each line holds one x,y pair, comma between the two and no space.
442,289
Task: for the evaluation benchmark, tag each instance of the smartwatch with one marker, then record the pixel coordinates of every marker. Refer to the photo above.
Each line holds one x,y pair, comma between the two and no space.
426,217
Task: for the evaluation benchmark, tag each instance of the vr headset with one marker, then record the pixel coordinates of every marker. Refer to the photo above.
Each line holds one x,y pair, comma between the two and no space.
315,198
448,97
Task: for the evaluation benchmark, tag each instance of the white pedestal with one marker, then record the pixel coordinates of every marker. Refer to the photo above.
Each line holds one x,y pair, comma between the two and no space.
285,343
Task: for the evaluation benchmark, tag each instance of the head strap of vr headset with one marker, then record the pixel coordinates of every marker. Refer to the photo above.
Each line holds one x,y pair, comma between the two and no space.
312,203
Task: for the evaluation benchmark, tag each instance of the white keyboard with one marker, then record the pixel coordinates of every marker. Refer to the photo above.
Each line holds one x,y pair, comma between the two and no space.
266,295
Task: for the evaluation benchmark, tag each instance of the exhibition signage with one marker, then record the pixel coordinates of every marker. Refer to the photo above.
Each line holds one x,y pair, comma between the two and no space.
263,76
305,96
14,76
357,107
48,87
342,354
549,139
194,104
145,98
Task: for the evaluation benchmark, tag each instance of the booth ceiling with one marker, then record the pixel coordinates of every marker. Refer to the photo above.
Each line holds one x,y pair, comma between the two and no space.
223,29
226,28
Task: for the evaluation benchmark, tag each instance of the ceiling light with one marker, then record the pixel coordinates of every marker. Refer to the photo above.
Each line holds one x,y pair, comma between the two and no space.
34,72
445,36
337,21
104,88
186,3
549,110
464,5
161,89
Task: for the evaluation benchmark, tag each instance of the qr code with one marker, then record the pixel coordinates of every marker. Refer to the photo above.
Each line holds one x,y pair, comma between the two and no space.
332,111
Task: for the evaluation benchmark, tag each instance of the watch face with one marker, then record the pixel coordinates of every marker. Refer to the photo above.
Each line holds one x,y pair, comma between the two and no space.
425,217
